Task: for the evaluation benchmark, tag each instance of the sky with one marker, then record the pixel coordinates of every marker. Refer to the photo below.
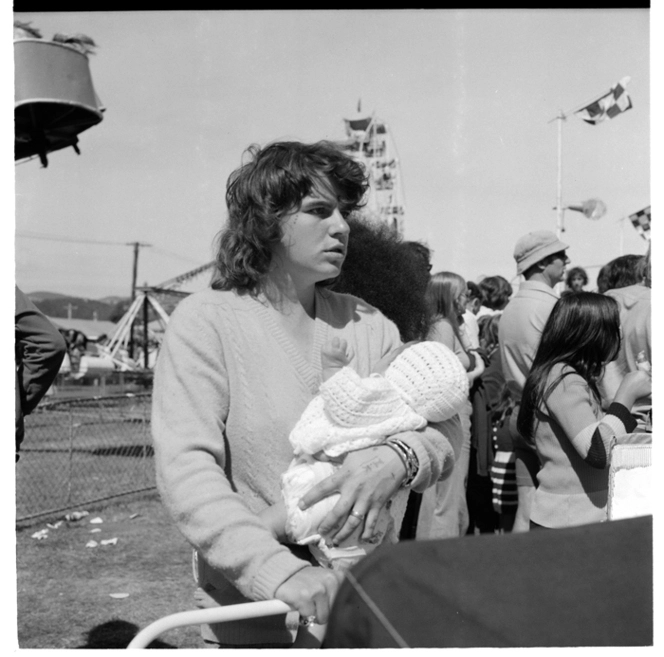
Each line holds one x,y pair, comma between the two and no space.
470,97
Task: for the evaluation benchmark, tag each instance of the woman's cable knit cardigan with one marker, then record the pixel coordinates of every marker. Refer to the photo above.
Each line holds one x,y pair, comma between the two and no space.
229,387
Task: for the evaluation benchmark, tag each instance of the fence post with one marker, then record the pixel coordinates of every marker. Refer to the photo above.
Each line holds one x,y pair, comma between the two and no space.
71,454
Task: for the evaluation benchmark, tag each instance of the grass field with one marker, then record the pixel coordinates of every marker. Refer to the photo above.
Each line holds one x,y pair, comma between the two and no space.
64,588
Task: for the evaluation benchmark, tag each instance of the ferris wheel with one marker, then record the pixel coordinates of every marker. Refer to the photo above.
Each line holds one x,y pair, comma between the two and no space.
370,142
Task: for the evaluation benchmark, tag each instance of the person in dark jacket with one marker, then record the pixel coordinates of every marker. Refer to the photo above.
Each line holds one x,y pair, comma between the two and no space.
39,352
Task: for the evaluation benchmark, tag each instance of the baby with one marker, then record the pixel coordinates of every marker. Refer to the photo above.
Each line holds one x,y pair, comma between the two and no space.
415,384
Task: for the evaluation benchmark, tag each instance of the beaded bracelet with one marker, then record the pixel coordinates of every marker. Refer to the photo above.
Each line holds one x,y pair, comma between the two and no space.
408,458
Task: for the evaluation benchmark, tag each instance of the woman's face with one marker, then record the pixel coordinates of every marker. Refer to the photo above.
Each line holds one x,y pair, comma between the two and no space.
314,240
577,283
460,301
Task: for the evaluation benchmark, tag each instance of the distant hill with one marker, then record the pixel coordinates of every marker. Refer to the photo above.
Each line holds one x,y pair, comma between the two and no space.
112,301
42,296
58,305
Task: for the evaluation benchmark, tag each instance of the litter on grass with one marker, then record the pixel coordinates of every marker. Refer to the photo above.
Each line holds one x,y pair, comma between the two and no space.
95,530
41,534
55,525
119,595
91,544
96,521
109,541
77,515
134,515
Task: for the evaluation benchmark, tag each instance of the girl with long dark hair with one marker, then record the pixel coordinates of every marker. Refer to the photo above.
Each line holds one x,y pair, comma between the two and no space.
561,413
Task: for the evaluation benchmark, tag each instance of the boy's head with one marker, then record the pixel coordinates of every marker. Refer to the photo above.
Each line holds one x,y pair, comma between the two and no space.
430,378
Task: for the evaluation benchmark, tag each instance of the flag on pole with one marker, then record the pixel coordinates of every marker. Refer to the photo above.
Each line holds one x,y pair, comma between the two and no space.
641,221
609,105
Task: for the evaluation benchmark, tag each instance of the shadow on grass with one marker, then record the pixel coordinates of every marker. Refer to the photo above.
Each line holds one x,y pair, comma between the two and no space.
116,634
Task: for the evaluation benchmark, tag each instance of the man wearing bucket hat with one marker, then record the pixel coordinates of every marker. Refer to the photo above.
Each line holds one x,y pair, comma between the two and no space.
541,259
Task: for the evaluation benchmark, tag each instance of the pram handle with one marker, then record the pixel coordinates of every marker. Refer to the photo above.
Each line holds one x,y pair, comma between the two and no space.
203,616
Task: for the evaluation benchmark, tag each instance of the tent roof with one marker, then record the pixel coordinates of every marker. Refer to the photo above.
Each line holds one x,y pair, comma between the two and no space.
91,328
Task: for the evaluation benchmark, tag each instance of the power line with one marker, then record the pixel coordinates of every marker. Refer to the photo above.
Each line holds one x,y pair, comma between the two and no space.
174,255
54,238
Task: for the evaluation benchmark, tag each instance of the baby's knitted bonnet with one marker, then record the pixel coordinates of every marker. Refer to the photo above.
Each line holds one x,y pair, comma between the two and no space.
430,379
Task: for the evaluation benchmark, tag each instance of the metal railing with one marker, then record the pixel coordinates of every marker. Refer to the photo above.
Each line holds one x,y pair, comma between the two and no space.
77,452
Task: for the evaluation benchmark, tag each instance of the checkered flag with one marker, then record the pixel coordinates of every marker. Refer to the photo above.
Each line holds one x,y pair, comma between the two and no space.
641,221
609,105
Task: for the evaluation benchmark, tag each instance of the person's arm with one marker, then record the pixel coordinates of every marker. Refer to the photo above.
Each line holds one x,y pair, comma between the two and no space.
570,404
494,380
370,477
190,405
443,332
478,366
610,382
275,519
40,350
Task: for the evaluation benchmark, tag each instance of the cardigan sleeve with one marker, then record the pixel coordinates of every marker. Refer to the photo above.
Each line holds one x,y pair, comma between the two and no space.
434,450
190,406
592,434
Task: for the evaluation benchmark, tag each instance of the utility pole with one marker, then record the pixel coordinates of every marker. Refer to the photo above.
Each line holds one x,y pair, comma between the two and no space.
70,307
560,223
137,246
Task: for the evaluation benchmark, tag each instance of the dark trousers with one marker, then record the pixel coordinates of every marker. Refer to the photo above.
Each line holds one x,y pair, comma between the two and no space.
481,514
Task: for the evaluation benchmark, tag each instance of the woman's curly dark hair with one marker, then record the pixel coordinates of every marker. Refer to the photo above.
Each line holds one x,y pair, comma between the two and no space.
258,194
388,273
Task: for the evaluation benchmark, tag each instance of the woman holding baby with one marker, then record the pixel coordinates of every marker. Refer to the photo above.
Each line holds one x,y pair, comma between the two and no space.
238,366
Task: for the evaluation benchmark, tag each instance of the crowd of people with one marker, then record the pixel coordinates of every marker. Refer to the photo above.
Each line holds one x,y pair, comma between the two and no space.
330,394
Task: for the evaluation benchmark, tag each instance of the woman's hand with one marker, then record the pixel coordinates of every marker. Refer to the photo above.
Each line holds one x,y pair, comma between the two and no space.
366,481
311,591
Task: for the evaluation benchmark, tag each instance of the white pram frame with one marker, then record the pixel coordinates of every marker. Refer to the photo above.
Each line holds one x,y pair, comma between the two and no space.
203,616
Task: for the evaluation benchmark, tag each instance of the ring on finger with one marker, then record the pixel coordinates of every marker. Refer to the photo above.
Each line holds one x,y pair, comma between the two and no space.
355,514
305,621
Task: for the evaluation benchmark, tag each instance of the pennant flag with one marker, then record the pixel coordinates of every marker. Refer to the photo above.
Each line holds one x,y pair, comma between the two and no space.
641,221
609,105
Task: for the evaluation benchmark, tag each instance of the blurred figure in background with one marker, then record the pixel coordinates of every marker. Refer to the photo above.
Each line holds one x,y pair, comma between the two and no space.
444,511
393,276
474,300
496,292
39,351
487,395
620,272
636,345
541,259
575,281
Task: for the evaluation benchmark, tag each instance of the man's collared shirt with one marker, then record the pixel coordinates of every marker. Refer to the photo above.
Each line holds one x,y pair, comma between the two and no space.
520,330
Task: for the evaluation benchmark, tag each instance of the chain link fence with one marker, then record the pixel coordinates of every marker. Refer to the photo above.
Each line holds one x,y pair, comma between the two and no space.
80,451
